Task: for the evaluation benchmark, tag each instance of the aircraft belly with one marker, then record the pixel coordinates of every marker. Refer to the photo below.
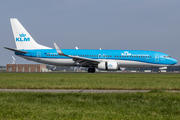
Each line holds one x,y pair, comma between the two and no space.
60,62
63,62
128,63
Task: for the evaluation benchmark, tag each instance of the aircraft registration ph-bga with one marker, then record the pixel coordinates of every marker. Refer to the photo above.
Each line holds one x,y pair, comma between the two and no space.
27,48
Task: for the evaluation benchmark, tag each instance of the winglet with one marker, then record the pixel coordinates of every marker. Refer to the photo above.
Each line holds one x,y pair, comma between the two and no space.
58,50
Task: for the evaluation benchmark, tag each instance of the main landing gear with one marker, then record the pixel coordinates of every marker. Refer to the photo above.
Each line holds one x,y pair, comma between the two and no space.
91,70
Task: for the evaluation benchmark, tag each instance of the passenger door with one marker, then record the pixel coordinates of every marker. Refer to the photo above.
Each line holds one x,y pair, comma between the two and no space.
156,57
38,55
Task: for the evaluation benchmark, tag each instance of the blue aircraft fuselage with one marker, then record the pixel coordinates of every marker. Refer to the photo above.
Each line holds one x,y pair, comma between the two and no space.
152,57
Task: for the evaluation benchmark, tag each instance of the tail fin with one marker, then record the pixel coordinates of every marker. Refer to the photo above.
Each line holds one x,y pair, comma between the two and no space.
22,38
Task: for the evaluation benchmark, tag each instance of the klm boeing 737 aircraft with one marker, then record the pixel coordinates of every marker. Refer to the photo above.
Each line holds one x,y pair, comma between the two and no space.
27,48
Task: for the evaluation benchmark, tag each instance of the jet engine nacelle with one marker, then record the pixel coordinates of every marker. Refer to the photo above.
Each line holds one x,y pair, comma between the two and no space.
108,66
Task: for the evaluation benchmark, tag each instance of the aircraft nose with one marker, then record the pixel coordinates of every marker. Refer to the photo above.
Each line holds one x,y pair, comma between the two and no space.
174,61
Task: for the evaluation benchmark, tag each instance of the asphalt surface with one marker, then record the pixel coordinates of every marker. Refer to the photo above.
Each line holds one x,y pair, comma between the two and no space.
76,91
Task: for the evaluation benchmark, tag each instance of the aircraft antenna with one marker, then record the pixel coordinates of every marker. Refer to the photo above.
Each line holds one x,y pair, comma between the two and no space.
76,48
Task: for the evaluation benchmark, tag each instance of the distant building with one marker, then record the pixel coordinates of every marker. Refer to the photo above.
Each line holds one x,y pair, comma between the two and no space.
26,68
2,68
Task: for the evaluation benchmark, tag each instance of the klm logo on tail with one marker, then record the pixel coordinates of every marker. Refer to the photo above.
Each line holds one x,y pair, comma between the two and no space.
22,38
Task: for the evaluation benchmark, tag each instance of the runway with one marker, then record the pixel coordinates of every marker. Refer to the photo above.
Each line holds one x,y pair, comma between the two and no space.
77,91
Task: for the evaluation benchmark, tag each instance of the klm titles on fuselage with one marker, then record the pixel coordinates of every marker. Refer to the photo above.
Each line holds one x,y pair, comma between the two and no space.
22,38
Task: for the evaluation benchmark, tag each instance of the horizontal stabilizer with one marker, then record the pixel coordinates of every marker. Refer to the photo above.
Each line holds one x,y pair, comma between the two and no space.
19,51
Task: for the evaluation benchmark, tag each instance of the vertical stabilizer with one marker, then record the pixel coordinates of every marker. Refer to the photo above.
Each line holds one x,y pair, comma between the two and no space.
22,38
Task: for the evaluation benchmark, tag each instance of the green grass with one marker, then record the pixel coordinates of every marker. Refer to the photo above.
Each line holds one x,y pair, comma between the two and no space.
133,106
89,81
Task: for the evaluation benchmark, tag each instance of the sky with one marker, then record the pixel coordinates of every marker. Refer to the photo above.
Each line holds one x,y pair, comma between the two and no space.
92,24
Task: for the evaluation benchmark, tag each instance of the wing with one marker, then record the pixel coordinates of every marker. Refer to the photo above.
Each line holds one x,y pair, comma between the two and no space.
81,60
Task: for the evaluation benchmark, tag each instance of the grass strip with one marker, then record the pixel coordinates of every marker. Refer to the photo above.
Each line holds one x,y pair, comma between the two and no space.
89,81
135,106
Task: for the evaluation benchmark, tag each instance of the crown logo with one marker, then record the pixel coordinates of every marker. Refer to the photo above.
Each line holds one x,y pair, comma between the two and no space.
110,65
22,35
126,53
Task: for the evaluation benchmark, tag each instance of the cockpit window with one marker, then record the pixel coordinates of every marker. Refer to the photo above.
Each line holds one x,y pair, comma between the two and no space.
167,56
